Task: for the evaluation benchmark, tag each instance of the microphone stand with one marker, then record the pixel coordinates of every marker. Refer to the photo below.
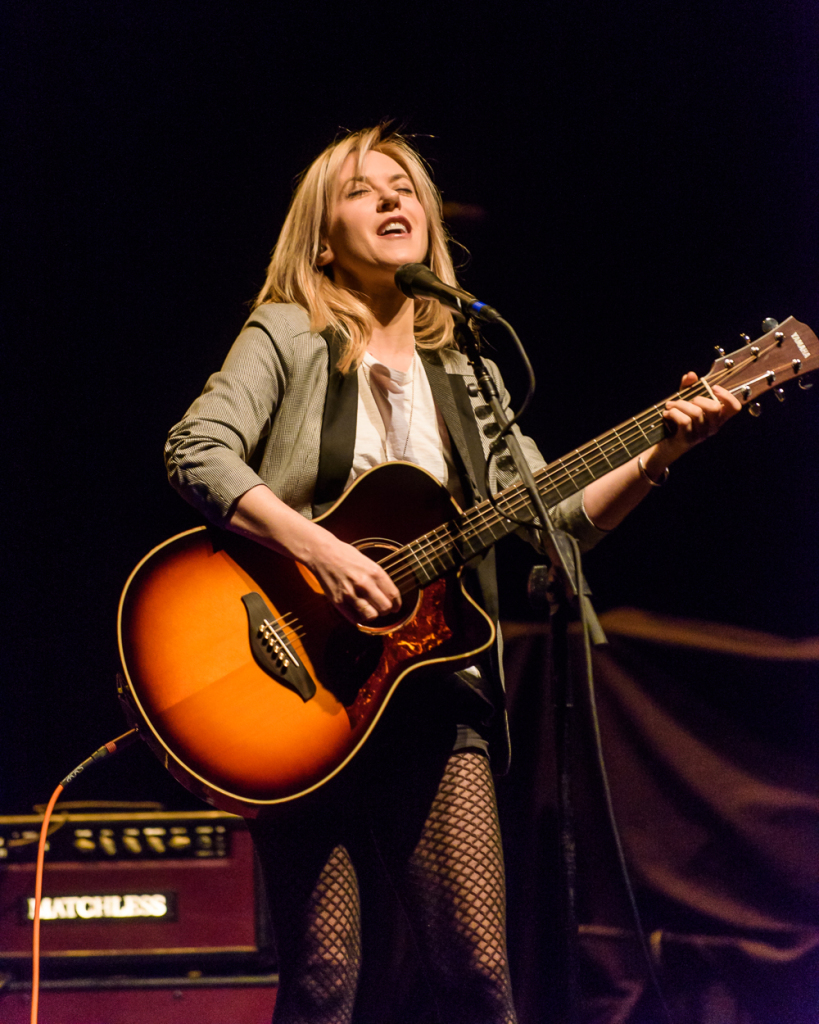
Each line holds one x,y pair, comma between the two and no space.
573,595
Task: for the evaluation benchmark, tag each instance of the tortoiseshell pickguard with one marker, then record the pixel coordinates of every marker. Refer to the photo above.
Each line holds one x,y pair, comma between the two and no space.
426,630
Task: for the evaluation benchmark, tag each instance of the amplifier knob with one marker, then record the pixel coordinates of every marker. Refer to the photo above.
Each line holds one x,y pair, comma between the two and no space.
108,844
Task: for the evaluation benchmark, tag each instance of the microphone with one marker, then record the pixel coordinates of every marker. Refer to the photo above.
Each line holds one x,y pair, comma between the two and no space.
418,282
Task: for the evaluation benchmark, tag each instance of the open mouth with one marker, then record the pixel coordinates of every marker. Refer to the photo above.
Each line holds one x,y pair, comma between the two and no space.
395,226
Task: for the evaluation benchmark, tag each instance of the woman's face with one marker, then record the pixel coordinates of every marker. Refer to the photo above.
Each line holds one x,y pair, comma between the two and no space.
376,224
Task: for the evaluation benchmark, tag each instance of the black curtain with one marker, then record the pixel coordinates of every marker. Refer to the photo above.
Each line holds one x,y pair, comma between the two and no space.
709,733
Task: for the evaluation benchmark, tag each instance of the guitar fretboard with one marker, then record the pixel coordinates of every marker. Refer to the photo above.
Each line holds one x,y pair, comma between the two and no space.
456,542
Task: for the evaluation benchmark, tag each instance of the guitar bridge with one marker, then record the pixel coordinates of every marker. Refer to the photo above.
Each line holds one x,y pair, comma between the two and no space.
272,650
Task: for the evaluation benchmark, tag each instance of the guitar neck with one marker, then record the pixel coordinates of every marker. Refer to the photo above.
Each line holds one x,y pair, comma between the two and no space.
477,529
786,352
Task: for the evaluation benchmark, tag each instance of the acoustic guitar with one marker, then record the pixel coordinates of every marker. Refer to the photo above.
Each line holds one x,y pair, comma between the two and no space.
253,690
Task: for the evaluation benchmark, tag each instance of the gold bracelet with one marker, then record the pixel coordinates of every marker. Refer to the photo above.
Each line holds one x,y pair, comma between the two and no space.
654,483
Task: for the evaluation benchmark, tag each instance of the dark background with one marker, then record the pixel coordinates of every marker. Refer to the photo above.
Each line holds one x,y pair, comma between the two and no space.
649,179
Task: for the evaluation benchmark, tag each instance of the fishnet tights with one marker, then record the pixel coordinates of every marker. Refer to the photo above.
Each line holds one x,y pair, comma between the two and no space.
456,897
452,889
327,960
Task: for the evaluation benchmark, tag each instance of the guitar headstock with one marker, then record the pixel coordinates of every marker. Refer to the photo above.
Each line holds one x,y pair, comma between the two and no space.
786,352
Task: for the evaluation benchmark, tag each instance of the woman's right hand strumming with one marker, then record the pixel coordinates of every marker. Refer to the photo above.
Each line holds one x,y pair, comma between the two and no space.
356,585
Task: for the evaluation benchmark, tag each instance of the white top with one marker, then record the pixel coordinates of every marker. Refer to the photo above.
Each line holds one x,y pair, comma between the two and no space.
398,420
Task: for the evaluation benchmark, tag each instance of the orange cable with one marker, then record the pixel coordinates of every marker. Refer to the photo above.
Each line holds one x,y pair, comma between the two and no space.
38,894
109,749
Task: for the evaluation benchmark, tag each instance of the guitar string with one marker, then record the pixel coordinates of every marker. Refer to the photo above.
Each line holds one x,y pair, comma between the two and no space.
563,470
515,499
286,625
621,437
699,389
484,516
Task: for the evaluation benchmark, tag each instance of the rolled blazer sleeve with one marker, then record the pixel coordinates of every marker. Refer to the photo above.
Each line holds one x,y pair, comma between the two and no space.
211,453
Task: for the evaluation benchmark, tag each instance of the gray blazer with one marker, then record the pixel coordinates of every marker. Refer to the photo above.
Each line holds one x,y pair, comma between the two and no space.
259,420
279,413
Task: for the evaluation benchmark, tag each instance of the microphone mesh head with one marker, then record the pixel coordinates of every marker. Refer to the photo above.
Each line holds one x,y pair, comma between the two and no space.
406,275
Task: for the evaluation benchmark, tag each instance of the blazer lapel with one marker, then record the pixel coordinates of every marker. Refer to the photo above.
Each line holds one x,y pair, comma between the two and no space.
452,399
338,428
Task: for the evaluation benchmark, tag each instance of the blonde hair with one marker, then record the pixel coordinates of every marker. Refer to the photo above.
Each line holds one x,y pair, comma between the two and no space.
293,274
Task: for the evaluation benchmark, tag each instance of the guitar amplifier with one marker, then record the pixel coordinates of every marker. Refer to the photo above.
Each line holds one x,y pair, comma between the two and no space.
169,889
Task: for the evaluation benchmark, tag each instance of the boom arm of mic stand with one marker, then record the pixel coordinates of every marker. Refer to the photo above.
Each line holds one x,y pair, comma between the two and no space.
556,544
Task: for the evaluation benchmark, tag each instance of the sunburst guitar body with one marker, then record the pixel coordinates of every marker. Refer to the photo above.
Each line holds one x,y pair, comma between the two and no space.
248,684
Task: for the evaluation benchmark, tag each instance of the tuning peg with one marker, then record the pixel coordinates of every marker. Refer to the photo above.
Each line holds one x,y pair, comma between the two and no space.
769,324
720,351
780,394
745,339
805,384
755,409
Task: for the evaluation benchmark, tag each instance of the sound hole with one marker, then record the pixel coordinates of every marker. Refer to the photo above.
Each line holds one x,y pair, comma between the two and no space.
378,548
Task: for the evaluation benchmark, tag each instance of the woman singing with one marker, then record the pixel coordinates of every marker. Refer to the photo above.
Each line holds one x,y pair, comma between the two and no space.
335,372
